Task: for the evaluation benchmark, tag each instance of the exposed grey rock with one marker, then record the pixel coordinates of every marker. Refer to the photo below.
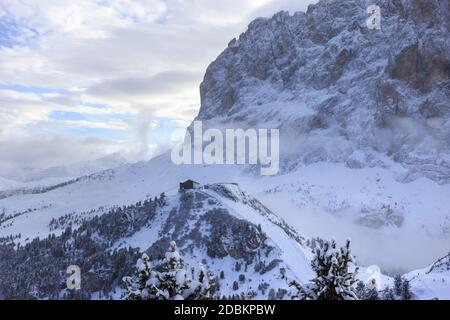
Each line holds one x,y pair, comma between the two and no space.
379,217
360,89
442,265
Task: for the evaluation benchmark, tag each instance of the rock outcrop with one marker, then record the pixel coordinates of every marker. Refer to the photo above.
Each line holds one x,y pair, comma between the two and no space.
334,87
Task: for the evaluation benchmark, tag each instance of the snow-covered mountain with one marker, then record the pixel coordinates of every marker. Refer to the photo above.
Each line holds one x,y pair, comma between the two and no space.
432,282
365,142
78,169
358,110
58,174
237,237
6,184
339,91
252,252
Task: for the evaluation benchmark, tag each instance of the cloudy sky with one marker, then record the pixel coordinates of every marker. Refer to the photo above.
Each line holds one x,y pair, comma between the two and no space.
82,79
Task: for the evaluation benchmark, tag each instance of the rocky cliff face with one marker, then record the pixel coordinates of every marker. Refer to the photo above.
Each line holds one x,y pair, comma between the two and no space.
340,91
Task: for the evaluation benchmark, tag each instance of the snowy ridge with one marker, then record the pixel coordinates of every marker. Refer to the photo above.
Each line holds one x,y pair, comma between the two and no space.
365,147
73,171
8,184
39,181
432,282
250,258
442,265
204,213
250,249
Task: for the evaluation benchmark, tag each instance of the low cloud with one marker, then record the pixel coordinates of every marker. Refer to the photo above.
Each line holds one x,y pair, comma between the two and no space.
135,58
160,83
27,153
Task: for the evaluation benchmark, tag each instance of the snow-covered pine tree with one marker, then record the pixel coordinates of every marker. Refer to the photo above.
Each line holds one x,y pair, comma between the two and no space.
398,284
334,276
360,290
402,288
149,284
142,286
387,294
170,281
173,280
372,294
364,292
203,286
406,290
162,200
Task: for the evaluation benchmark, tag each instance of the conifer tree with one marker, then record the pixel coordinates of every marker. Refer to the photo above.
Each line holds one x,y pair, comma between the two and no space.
360,290
398,284
406,290
170,281
388,294
334,276
173,279
139,287
204,285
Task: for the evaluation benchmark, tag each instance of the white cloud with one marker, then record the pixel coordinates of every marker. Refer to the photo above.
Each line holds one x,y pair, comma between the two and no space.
135,58
29,152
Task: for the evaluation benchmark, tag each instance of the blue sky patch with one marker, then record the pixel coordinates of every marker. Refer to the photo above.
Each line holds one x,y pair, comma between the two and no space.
28,89
77,116
84,132
12,33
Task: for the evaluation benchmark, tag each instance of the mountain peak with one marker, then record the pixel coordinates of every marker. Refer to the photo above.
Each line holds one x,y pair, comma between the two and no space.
324,75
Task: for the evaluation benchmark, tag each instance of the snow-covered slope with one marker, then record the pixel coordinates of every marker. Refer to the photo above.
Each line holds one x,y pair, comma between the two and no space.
227,200
326,200
79,169
221,225
117,187
432,282
389,221
10,186
364,123
6,184
59,174
218,225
